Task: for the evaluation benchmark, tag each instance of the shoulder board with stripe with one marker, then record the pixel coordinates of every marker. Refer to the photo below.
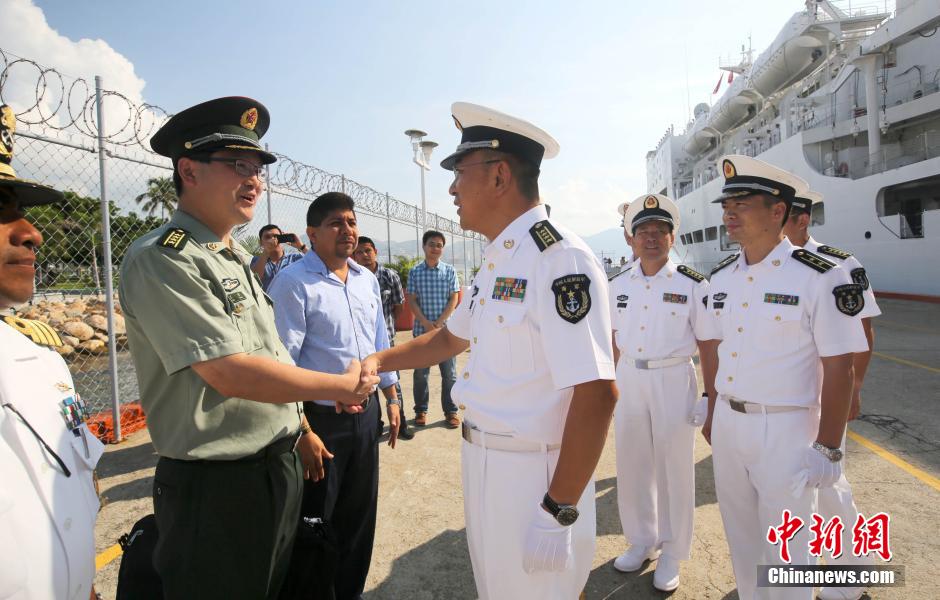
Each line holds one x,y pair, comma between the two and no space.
813,261
725,263
37,331
691,273
174,238
544,235
831,251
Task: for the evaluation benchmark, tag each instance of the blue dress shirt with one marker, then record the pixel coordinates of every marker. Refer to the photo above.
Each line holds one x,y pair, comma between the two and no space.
325,323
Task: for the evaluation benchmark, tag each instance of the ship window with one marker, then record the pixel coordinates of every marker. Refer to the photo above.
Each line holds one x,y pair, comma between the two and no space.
907,202
818,214
725,241
711,234
697,236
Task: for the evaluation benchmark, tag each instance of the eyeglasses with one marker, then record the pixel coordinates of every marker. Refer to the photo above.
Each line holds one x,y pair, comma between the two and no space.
458,171
243,168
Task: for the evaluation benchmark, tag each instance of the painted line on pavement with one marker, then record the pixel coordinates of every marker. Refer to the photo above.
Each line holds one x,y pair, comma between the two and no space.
902,361
896,461
106,557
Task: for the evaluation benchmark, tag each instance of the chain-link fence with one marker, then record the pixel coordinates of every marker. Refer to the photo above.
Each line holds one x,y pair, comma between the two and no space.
92,143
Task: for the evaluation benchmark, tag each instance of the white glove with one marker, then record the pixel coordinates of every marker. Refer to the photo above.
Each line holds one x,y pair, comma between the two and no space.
699,412
547,544
817,472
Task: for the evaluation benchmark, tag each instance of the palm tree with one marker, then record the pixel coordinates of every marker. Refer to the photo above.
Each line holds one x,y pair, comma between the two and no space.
160,195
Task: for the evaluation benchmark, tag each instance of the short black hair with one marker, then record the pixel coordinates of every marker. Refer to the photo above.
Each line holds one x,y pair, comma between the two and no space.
326,203
267,227
366,240
430,233
177,180
769,201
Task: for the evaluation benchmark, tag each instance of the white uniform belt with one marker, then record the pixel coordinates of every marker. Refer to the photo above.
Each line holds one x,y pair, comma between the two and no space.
642,363
502,441
742,406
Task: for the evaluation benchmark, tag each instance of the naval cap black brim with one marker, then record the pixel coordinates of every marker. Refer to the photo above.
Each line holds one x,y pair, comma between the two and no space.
481,137
28,193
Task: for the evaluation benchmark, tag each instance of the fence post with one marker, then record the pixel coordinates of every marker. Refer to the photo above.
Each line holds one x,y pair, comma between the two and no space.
417,236
388,226
466,273
108,271
267,186
343,184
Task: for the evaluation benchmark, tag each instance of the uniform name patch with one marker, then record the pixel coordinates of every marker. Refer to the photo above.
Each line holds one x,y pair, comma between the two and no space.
849,298
675,298
622,297
572,297
236,297
230,284
509,289
719,296
782,299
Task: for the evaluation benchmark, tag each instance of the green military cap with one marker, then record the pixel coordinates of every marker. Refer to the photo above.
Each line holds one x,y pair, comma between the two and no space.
234,122
27,193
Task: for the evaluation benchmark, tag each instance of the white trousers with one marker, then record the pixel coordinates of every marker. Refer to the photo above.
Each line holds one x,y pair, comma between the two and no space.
838,501
655,456
756,457
502,491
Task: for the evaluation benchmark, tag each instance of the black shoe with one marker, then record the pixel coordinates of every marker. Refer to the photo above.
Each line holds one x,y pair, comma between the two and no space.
406,434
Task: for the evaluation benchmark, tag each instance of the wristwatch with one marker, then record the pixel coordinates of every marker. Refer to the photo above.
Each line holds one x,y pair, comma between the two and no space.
565,514
833,454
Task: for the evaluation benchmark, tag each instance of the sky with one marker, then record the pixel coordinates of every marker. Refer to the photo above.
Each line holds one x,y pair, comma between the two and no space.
344,80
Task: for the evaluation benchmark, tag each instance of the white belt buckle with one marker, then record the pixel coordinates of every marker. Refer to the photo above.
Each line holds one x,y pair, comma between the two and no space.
641,363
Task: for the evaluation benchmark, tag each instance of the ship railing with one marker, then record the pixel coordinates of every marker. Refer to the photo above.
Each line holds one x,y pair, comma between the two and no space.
858,8
911,150
822,111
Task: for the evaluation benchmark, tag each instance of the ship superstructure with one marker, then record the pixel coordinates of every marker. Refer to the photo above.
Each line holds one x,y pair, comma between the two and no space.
847,98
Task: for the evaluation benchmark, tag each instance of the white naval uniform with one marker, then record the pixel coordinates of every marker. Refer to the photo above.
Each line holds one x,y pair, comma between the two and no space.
777,319
655,318
524,361
47,520
838,499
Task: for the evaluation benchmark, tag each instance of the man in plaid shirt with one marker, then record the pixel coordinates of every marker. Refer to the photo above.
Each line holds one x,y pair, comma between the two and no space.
393,297
432,296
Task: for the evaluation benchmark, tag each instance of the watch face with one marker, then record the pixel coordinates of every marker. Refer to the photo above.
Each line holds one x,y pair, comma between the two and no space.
567,516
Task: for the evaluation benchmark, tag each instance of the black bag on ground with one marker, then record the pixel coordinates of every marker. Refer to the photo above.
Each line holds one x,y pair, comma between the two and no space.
137,579
313,562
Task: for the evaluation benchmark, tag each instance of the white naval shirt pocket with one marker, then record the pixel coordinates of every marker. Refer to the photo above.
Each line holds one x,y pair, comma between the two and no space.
510,346
86,458
675,321
777,327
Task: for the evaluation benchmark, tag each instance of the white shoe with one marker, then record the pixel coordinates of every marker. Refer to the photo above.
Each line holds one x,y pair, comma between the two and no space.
666,576
633,559
840,593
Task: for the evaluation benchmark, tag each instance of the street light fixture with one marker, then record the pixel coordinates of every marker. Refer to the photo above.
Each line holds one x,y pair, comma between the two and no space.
422,157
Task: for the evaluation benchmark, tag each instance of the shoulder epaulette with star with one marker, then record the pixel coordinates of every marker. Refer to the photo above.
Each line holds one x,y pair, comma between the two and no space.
813,261
174,238
691,273
37,331
544,235
725,263
836,252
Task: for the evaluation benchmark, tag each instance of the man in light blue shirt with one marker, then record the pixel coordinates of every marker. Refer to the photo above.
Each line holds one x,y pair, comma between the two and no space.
328,310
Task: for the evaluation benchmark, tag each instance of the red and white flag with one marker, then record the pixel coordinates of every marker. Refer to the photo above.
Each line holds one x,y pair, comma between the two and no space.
718,85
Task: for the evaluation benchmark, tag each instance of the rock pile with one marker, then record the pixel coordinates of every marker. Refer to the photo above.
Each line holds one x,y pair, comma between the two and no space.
81,322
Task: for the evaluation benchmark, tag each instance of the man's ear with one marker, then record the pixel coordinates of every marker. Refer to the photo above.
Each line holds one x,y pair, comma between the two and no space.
503,176
311,235
186,168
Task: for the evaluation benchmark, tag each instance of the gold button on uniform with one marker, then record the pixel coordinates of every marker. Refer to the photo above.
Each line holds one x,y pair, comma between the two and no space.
491,266
482,301
642,327
750,279
744,305
462,407
740,329
734,355
647,287
500,318
645,307
673,313
474,339
777,318
775,262
466,375
639,349
730,378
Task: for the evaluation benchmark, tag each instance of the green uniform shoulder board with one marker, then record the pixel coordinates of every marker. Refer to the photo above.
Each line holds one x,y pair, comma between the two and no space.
37,331
691,273
830,251
174,238
725,263
544,235
814,261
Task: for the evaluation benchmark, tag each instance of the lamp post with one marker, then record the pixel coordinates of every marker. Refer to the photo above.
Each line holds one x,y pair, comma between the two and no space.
422,157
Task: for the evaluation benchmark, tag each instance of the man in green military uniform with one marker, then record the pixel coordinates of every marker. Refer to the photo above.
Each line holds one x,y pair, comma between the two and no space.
220,390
